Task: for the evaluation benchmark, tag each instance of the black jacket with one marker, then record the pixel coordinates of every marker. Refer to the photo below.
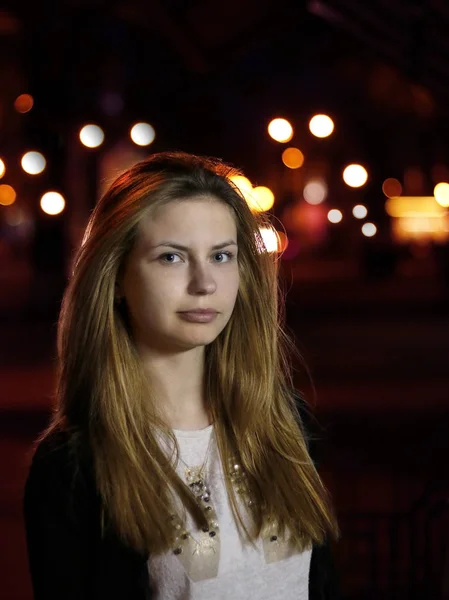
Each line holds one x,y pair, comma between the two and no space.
69,558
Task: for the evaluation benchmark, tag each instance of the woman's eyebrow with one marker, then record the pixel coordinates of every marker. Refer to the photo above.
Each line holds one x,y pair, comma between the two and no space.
186,248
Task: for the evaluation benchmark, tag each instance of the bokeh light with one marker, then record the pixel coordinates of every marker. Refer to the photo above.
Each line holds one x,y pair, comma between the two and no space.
413,206
355,176
315,191
334,215
91,136
2,168
391,187
243,183
263,198
15,216
369,229
441,193
245,187
259,199
280,130
23,103
142,134
359,211
7,195
282,242
293,158
33,162
321,126
52,203
270,239
431,228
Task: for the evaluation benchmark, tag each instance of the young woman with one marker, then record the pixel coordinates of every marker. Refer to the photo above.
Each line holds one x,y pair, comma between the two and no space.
175,465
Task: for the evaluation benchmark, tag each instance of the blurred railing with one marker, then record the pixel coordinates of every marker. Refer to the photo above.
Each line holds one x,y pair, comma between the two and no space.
397,555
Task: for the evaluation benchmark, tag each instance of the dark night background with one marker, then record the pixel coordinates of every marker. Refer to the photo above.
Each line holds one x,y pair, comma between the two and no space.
370,314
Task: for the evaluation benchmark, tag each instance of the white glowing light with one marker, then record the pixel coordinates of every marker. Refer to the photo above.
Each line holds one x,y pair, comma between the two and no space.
92,136
359,211
52,203
355,176
315,191
270,239
280,130
441,193
321,126
142,134
369,229
33,163
335,215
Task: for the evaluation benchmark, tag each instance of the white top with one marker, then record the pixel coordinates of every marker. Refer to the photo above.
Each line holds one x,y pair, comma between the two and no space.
229,568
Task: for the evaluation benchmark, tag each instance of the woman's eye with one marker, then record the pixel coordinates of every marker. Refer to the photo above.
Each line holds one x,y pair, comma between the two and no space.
168,256
220,257
226,256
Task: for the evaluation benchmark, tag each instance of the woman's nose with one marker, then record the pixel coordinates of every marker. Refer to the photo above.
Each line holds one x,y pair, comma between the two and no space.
202,281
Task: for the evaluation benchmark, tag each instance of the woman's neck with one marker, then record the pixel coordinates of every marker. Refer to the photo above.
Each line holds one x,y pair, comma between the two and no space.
178,381
191,422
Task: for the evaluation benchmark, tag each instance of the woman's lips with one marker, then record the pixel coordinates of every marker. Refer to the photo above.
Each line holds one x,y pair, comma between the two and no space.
199,316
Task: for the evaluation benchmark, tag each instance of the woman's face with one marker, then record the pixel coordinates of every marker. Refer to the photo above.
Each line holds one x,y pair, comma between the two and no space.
184,259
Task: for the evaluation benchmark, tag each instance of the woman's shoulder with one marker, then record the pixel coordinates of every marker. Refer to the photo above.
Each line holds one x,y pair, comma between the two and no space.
52,446
54,453
58,469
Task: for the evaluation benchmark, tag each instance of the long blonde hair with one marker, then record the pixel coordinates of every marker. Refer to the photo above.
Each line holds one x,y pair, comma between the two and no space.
106,401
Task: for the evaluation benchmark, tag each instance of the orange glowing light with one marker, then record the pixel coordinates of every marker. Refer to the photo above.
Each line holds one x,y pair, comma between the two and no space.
411,206
282,241
421,228
7,195
391,187
259,199
264,198
23,103
242,183
293,158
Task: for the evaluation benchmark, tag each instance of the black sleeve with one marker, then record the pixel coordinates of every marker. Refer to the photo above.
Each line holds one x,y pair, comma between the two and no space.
59,526
323,578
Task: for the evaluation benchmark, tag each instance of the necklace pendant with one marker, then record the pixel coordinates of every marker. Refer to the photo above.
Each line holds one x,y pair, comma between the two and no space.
195,481
197,487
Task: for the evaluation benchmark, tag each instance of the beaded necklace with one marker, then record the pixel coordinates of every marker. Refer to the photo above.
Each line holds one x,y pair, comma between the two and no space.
200,557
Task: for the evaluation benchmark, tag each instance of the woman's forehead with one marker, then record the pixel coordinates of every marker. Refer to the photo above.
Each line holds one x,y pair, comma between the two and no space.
193,218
